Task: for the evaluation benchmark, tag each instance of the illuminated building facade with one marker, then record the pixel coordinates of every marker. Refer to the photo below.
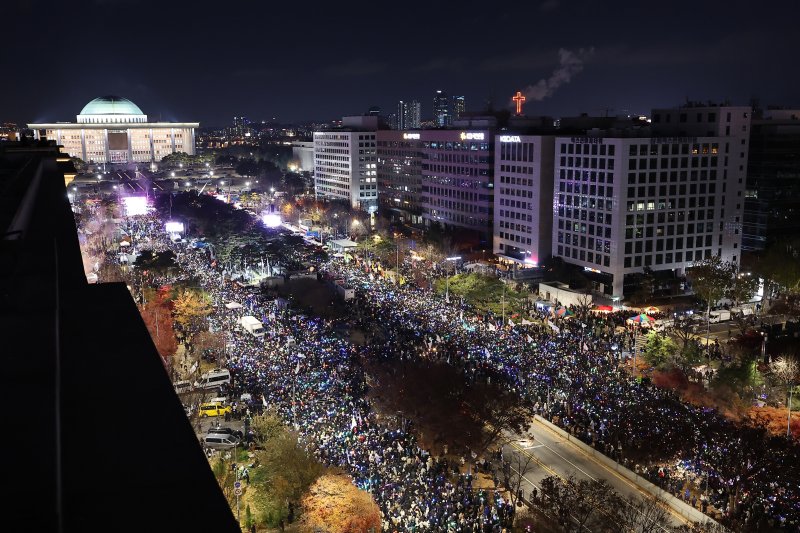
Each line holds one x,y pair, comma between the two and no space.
408,115
457,179
626,201
523,198
111,129
345,163
442,109
400,175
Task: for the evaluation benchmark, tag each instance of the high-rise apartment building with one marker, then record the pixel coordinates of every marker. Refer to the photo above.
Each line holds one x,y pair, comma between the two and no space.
626,201
409,115
457,179
458,106
523,198
345,163
442,109
240,126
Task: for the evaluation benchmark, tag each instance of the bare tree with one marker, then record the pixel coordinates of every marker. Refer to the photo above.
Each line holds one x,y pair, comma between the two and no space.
784,369
520,464
640,515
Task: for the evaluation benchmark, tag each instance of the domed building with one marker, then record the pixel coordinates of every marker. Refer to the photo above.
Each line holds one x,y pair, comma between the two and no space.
112,129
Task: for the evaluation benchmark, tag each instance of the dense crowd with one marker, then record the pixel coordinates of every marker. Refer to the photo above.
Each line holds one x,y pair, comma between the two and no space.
313,378
569,369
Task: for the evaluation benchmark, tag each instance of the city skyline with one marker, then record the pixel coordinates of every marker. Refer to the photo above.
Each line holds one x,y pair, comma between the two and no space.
272,66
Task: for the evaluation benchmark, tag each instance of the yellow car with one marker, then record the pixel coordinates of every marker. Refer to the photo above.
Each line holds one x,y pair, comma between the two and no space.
214,409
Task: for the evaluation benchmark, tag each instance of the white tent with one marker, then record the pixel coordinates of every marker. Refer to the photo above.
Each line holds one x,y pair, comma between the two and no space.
233,305
341,245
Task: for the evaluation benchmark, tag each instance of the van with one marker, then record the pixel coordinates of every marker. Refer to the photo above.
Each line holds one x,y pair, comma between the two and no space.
715,317
662,324
220,441
183,386
213,409
214,378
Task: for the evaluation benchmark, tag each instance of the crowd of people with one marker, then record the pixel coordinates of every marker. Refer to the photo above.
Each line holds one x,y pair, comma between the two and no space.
568,368
312,377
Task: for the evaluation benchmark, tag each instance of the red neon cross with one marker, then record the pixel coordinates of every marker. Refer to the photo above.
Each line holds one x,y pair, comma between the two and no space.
519,98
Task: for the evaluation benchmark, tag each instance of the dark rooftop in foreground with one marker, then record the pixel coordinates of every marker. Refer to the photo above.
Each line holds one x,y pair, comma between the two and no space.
85,379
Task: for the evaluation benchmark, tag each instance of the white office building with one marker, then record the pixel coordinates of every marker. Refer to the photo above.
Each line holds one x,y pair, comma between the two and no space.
345,163
523,198
662,199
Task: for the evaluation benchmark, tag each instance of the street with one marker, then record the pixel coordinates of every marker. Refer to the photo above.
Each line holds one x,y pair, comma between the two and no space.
555,456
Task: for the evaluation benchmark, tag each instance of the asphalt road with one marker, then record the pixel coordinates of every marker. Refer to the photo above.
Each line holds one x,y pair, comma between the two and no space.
550,454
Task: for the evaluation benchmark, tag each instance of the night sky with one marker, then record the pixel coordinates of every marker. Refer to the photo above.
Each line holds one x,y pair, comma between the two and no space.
308,60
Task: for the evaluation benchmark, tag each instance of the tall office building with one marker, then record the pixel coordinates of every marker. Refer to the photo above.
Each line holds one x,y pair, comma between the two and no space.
442,109
772,201
240,126
408,115
624,201
111,129
400,175
457,179
523,198
458,106
345,163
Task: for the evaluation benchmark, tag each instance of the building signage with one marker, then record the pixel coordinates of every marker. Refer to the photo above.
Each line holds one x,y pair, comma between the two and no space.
586,140
510,139
411,136
471,136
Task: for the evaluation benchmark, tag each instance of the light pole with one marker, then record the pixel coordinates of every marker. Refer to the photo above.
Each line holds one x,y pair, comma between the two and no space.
447,284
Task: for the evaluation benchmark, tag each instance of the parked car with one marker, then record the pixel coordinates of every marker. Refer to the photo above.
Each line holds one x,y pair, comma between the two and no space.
219,441
224,430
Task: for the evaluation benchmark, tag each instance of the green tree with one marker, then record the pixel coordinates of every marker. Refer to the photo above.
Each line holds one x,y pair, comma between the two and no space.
659,350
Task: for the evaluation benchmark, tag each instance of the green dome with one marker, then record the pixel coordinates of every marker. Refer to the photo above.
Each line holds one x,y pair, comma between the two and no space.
111,105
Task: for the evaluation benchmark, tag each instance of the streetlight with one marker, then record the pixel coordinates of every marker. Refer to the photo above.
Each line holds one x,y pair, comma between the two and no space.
172,174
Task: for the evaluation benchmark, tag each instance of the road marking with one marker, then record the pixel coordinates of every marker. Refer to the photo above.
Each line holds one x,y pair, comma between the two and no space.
619,476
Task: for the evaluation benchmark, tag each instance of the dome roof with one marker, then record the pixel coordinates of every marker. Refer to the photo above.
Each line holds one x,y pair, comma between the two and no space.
111,105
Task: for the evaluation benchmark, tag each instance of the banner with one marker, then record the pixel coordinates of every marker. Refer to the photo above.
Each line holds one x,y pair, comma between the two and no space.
554,327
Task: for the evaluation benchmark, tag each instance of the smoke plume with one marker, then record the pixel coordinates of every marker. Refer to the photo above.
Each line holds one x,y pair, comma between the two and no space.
570,63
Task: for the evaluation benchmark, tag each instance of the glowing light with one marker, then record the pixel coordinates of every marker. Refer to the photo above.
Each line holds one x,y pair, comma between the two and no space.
519,99
471,136
221,198
411,136
174,227
271,220
510,139
135,205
